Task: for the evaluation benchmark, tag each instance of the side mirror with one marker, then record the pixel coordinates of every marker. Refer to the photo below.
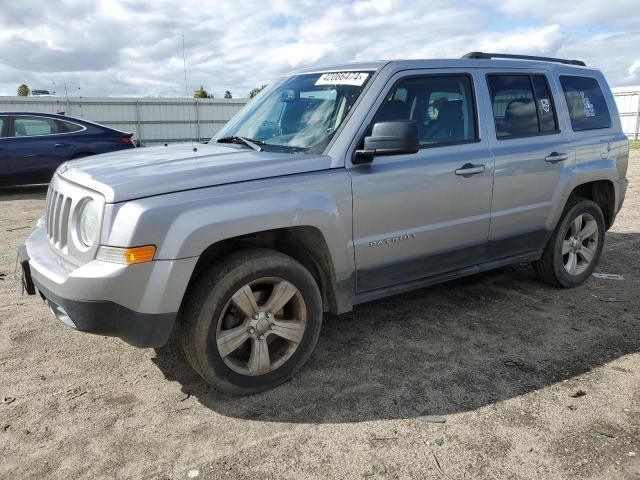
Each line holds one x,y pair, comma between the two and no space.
389,138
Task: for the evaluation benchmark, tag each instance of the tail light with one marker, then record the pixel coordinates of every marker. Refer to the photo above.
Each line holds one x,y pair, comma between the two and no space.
128,139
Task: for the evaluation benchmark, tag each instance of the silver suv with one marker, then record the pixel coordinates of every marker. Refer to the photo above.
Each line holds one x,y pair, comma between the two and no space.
333,187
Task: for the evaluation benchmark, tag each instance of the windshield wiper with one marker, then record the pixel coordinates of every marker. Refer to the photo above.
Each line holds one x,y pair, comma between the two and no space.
255,144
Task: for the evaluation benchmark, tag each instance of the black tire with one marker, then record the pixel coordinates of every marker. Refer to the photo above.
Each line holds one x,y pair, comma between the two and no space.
210,297
551,266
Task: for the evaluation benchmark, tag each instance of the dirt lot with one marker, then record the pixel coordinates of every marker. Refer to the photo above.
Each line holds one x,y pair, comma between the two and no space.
530,382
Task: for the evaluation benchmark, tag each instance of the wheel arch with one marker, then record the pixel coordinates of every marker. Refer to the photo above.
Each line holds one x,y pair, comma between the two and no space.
306,244
602,192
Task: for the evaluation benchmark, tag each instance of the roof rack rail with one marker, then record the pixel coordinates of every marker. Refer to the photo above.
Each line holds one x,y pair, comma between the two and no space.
483,55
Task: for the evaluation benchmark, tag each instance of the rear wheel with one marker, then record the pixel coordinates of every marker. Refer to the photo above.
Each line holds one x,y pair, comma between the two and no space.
575,246
251,321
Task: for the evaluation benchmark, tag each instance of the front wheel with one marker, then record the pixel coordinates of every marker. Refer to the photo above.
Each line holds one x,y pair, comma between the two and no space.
575,246
251,321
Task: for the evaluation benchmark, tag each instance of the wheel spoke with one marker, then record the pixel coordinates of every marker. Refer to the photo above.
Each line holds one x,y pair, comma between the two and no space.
566,247
577,225
572,263
259,362
230,340
282,292
586,254
588,229
291,330
245,301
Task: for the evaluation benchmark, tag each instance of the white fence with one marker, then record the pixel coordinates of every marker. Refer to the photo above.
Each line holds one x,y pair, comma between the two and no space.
162,120
151,120
628,100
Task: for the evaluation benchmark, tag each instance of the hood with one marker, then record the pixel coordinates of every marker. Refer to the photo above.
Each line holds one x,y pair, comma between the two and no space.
148,171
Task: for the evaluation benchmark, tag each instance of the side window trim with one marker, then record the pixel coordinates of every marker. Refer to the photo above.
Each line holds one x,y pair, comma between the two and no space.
529,75
13,119
474,99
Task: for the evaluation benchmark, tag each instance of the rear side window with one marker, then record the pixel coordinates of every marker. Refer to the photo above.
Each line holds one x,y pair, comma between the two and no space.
29,126
522,105
442,106
2,124
587,106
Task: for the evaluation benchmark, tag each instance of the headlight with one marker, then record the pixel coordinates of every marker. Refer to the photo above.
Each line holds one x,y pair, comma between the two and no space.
89,220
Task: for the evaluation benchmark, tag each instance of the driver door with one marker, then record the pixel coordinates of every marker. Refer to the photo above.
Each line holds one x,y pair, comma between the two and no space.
419,215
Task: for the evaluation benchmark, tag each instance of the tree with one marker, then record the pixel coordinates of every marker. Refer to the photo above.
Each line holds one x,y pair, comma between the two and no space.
227,94
256,91
201,93
23,90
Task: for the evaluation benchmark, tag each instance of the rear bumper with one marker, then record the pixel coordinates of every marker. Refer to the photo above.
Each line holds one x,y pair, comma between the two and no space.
623,184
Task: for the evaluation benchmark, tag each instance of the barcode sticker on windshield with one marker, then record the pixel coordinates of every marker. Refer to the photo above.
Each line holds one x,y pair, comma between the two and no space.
343,78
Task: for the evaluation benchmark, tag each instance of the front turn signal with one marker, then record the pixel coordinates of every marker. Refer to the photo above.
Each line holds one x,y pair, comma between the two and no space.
126,256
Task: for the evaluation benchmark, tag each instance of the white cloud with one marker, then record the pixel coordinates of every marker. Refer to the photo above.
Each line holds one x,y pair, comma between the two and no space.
634,71
134,47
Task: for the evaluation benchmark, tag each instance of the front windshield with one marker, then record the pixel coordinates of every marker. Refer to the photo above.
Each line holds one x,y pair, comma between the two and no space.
300,114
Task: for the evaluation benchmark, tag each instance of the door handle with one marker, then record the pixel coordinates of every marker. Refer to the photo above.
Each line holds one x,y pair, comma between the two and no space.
555,157
61,145
469,169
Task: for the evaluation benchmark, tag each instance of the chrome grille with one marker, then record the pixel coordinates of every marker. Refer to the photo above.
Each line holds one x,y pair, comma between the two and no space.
63,199
57,216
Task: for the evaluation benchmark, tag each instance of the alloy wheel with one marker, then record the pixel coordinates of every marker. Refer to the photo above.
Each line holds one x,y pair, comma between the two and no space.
261,326
580,244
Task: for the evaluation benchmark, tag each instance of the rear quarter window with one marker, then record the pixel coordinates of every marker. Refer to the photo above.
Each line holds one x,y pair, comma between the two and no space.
586,103
67,127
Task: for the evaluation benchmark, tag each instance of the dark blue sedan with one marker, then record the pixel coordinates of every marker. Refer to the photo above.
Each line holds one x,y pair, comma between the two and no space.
33,145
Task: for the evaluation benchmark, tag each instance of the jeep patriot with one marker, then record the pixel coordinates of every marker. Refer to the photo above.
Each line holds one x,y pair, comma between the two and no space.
333,187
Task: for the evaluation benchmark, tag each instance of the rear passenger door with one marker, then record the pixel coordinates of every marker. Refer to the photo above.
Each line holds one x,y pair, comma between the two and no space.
530,154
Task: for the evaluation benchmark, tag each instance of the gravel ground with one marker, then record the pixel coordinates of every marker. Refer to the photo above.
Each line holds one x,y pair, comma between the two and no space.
493,376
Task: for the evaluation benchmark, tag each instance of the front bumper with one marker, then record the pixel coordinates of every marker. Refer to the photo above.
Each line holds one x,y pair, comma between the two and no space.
137,303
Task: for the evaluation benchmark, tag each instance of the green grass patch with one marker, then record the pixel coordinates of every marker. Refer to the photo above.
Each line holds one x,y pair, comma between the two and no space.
634,145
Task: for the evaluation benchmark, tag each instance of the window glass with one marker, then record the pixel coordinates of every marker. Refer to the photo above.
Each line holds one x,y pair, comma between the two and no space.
544,101
514,110
2,124
587,106
67,126
25,126
522,105
443,107
300,114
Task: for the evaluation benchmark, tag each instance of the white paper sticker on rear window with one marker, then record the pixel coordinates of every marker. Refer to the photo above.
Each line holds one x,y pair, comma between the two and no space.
589,109
356,79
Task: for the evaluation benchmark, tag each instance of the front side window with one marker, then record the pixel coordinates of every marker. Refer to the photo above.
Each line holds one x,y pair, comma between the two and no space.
587,106
442,106
30,126
2,124
302,113
522,105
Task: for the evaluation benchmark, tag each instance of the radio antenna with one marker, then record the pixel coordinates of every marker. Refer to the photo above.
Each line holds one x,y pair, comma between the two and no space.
186,90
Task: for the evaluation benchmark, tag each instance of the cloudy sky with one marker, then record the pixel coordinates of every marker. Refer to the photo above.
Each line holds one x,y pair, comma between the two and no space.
134,48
